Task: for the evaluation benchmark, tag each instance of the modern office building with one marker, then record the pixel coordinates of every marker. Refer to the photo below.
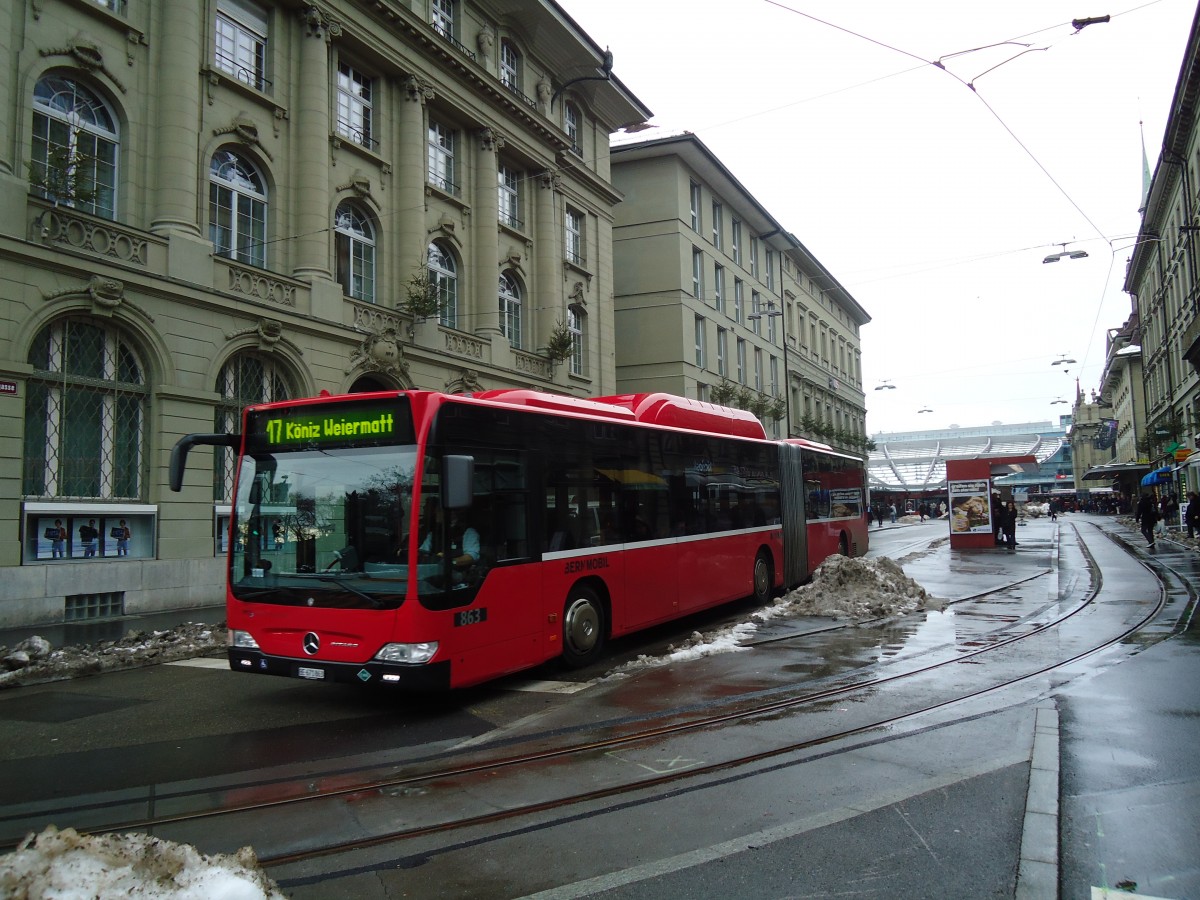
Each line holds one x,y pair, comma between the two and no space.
209,204
715,298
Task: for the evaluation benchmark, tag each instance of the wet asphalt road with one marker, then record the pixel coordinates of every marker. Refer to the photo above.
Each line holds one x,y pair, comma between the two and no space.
937,810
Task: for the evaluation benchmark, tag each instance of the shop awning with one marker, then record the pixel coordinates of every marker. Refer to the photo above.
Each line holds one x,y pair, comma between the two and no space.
1104,473
1158,476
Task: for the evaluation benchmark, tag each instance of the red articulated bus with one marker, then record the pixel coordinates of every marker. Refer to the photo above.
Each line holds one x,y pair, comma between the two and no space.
427,540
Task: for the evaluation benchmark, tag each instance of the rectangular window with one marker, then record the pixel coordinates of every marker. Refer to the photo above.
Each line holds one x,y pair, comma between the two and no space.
442,17
755,312
735,241
574,237
510,206
716,224
697,274
739,301
754,256
722,352
775,386
354,106
719,287
770,265
700,342
571,127
509,62
772,315
441,157
741,361
240,45
758,369
695,195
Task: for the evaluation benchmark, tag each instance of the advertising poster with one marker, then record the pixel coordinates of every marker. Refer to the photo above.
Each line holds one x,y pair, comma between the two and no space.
970,507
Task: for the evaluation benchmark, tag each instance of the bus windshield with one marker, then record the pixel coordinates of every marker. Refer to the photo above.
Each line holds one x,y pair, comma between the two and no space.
323,527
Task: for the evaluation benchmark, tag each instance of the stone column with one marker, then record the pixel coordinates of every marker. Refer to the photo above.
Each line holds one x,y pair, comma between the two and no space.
546,306
409,199
178,62
485,277
310,176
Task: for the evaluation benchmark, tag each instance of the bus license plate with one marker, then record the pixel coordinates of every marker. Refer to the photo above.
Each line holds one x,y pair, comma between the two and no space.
305,672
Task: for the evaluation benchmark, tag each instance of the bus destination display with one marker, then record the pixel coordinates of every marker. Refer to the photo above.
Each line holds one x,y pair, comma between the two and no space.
345,426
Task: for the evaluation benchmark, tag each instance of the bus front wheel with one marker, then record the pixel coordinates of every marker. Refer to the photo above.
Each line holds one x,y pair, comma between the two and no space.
583,628
762,578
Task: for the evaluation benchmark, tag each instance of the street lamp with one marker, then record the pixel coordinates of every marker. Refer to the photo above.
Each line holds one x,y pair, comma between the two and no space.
1059,400
885,385
924,409
770,313
1069,254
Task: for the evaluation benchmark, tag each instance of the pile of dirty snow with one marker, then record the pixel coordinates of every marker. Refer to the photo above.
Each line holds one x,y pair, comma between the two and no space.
858,589
71,866
841,588
34,659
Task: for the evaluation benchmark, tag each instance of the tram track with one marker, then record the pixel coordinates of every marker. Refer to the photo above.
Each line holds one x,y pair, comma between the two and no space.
403,788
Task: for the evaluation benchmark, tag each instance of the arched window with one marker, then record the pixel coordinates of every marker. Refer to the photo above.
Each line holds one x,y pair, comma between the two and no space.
74,152
575,322
237,209
244,379
354,245
85,414
443,276
510,309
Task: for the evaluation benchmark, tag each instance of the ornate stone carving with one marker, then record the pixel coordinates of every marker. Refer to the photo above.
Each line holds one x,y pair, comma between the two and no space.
416,90
380,351
550,180
490,141
372,320
463,345
530,364
87,56
467,382
360,184
105,294
60,225
577,296
269,333
544,92
252,283
318,24
485,40
245,131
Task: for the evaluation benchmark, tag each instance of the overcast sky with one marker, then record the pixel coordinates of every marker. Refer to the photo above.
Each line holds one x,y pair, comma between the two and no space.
932,203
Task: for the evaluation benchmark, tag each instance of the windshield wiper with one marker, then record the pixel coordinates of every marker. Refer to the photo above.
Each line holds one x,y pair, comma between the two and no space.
349,587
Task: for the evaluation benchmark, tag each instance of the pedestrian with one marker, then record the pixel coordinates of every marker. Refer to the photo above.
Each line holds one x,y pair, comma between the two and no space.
1191,515
1053,510
1008,522
122,534
892,512
58,540
997,520
1147,518
277,534
87,536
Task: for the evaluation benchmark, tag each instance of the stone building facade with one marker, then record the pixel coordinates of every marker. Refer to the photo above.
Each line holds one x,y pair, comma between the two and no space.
1162,276
712,292
206,205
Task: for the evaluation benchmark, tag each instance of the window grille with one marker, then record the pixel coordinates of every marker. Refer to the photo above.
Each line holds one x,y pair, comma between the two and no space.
85,414
106,605
244,380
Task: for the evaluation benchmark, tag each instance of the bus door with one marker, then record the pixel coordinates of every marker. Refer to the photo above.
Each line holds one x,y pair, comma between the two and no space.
795,527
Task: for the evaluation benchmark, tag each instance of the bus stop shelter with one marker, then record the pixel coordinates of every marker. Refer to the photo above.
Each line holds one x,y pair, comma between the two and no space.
969,483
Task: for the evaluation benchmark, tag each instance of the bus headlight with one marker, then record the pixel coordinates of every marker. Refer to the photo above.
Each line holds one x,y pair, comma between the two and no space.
242,640
413,654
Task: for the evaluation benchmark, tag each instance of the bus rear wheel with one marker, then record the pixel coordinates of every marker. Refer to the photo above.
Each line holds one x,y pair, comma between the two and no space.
583,628
762,578
844,546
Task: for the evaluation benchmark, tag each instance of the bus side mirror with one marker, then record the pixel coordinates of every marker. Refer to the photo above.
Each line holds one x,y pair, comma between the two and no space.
180,451
458,481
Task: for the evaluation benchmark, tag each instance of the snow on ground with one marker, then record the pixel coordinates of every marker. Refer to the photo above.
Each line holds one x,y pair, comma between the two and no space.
66,865
841,588
34,660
